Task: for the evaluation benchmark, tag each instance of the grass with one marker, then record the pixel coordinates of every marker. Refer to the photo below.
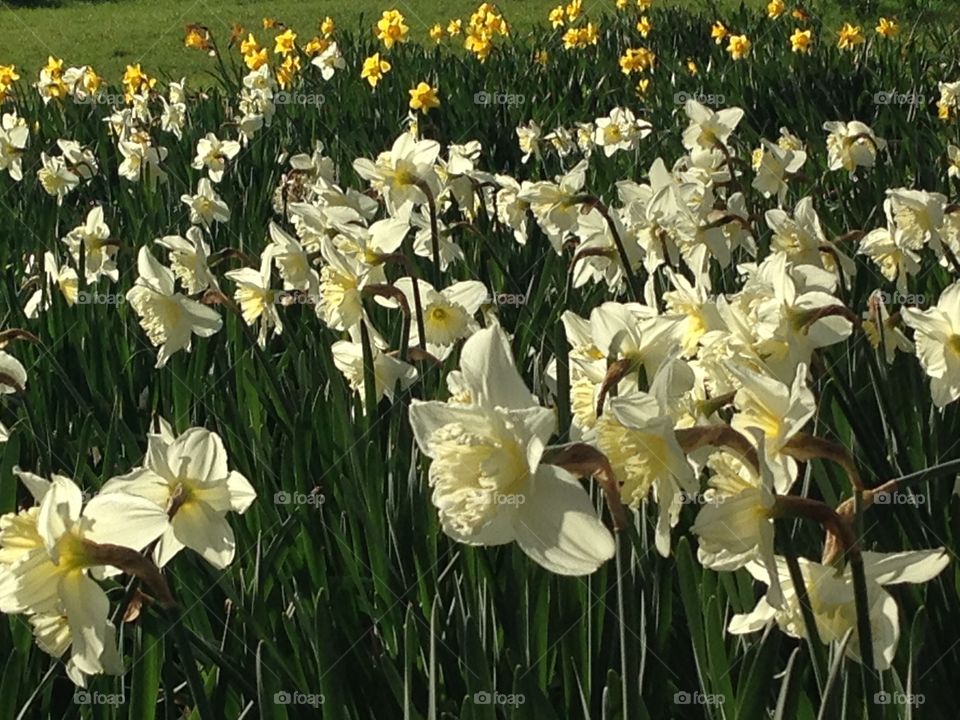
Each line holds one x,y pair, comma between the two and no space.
111,35
360,597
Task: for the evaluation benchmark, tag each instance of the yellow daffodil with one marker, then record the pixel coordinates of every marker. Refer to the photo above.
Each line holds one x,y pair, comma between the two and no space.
316,46
197,38
250,45
557,18
285,43
644,26
739,47
849,37
801,40
455,27
270,23
775,8
644,4
374,68
622,4
328,26
636,60
692,67
436,33
643,86
288,70
719,32
256,59
424,98
136,81
888,28
574,9
392,28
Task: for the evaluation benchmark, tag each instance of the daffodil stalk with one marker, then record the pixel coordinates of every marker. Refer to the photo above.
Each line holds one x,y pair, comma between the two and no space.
434,231
596,203
389,291
417,300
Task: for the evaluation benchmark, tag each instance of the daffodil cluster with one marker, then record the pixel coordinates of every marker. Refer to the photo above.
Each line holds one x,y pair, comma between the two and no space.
58,552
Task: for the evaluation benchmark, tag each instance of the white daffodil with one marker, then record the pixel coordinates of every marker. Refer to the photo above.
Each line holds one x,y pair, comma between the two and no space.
773,164
896,261
206,207
91,238
511,210
141,160
937,336
189,479
528,138
388,371
447,314
735,523
188,260
329,61
14,135
552,202
342,278
620,130
51,577
292,261
213,154
62,277
880,329
852,145
56,177
257,300
489,485
778,411
636,433
13,378
168,317
801,238
709,129
831,595
403,173
953,159
917,215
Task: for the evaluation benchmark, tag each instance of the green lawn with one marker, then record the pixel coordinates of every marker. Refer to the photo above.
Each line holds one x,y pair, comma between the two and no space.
110,35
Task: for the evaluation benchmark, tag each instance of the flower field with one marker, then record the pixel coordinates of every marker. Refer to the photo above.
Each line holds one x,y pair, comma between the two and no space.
606,370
